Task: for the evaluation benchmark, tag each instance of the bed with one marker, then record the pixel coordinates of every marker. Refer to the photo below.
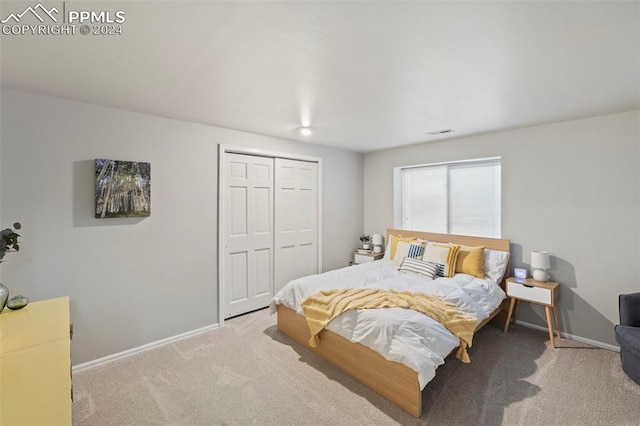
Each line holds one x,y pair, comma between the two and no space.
393,351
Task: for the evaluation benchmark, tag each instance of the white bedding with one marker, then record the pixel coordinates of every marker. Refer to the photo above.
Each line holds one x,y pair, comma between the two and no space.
401,335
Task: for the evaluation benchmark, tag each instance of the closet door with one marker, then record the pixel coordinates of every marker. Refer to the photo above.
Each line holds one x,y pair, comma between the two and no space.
248,233
296,220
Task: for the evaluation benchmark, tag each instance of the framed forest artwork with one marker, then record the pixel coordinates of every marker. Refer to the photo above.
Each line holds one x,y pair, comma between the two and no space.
123,189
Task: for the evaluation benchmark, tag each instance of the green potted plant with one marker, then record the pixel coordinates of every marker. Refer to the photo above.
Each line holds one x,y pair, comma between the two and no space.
8,244
366,241
9,241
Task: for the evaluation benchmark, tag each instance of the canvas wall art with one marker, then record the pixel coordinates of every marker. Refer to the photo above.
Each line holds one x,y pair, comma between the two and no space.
123,189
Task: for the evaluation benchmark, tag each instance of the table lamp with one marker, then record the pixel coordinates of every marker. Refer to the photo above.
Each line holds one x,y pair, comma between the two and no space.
539,265
377,243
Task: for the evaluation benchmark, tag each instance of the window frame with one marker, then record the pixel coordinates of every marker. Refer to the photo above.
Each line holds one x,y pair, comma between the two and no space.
398,195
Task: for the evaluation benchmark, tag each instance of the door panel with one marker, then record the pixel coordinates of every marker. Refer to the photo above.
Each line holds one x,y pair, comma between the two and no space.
248,233
286,269
262,211
238,276
238,203
296,220
264,262
307,212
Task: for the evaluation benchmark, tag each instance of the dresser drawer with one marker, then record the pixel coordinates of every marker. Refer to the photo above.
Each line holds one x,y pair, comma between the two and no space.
532,294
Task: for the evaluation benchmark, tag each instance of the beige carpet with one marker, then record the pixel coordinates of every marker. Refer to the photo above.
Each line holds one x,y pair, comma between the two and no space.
247,373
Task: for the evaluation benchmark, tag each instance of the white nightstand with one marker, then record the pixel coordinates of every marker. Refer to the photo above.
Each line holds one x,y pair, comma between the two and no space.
366,257
530,290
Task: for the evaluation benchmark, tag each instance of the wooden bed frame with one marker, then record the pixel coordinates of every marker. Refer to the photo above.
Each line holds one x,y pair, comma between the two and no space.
391,379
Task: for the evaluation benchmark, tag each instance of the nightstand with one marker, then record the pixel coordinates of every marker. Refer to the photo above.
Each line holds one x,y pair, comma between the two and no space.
366,257
530,290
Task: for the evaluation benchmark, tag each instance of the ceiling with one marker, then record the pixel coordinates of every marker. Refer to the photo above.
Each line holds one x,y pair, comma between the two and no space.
364,75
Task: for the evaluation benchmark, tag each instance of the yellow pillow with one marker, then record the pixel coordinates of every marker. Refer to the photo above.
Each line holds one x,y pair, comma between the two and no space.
471,261
443,255
393,244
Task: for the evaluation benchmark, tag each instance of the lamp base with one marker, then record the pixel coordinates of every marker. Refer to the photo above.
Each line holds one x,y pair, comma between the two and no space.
540,275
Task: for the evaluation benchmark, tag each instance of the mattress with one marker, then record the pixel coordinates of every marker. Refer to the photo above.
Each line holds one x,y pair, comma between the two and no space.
400,335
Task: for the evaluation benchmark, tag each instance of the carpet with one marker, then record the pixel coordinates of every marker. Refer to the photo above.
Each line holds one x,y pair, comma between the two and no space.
247,373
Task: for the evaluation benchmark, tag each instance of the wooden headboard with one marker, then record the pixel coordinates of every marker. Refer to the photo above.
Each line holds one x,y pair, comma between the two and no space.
490,243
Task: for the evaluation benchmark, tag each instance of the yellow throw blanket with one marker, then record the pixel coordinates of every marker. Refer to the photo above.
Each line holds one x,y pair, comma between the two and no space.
324,306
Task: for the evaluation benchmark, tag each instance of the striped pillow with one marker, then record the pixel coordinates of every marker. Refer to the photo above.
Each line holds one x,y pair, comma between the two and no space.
415,251
418,267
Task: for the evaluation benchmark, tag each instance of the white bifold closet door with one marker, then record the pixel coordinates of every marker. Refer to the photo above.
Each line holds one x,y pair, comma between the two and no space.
248,233
270,228
296,214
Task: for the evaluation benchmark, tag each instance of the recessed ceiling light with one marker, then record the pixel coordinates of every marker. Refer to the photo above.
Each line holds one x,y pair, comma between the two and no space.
305,131
440,132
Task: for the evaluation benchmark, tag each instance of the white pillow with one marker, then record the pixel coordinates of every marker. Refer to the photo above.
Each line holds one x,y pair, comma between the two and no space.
495,264
402,251
387,252
444,255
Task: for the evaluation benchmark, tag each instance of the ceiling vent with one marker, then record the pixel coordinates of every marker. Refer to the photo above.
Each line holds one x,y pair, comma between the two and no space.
440,132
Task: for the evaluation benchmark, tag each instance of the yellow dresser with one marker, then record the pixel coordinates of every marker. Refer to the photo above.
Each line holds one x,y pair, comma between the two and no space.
35,364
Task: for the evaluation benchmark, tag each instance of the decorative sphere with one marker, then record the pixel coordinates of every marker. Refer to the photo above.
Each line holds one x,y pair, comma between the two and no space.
17,302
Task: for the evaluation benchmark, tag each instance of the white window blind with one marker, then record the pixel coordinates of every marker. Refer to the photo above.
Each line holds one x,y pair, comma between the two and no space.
453,198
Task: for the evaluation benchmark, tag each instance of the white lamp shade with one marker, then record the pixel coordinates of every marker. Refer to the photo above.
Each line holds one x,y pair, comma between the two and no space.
377,239
540,260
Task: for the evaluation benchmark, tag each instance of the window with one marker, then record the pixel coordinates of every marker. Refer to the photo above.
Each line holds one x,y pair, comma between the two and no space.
450,198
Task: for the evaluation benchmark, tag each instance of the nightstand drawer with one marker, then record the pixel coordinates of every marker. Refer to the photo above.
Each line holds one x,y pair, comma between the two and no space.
363,258
532,294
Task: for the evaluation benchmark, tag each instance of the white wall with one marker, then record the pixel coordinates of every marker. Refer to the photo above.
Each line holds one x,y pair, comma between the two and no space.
2,224
135,281
571,188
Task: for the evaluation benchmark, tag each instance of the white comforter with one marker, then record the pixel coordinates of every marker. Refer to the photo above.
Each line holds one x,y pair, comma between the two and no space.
401,335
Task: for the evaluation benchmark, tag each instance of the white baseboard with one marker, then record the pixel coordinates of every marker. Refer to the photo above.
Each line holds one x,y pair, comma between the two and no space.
133,351
572,337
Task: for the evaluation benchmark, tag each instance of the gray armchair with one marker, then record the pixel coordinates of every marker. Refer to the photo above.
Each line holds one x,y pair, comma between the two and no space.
628,334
